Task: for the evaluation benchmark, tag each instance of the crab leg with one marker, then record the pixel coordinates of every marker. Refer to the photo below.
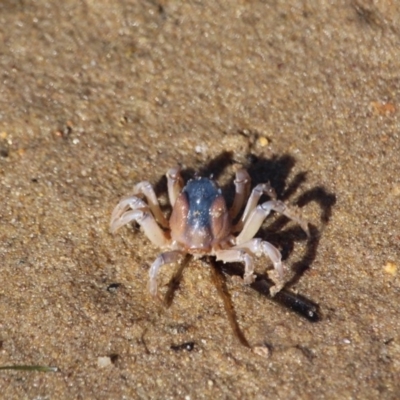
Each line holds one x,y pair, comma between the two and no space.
130,202
243,253
175,184
146,220
258,215
256,193
163,259
145,188
242,186
238,255
258,247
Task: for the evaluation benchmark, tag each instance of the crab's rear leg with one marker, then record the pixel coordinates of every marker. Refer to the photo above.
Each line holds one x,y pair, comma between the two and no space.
258,215
242,187
163,259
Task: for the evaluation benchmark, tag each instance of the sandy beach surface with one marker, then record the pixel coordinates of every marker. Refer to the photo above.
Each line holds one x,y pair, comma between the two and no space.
98,95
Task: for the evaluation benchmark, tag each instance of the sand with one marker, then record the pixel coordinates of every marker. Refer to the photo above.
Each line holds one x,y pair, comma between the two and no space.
97,96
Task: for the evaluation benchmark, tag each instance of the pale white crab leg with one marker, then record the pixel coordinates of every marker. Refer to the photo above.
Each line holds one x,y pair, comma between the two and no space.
130,202
145,188
256,193
163,259
146,220
260,247
243,253
175,184
238,255
258,215
242,187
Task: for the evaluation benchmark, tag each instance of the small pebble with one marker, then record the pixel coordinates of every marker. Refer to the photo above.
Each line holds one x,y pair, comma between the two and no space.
263,141
390,268
103,362
261,351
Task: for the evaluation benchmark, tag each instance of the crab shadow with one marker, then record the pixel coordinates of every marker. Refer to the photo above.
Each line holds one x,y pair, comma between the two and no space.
275,170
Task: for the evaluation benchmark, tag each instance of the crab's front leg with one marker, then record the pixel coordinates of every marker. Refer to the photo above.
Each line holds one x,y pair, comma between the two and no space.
146,189
135,202
134,209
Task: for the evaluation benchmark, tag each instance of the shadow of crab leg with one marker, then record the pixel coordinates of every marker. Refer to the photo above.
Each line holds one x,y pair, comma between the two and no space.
175,184
146,189
145,219
256,193
258,215
175,281
220,284
293,301
168,257
242,187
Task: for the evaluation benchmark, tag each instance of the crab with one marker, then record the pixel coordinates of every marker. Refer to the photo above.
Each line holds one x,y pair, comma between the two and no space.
201,223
